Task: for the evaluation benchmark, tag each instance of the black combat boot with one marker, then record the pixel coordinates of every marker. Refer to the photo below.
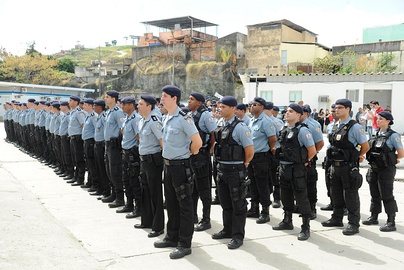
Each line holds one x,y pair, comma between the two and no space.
305,232
372,220
137,210
286,223
204,224
390,226
313,214
264,217
254,211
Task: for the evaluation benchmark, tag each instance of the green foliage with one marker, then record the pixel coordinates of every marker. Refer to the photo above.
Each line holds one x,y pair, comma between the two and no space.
225,56
328,64
66,64
31,49
292,71
385,61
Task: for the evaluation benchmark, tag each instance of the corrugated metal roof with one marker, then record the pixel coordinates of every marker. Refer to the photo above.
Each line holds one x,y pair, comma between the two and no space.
185,22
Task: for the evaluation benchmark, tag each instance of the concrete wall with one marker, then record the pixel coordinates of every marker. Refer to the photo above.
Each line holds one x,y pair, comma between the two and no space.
291,35
303,53
142,52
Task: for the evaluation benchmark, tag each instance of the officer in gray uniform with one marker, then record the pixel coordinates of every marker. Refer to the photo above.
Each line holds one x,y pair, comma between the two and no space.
180,140
89,142
104,188
151,167
201,163
30,122
48,116
130,157
113,157
296,149
348,147
65,143
312,175
234,149
75,129
57,142
241,113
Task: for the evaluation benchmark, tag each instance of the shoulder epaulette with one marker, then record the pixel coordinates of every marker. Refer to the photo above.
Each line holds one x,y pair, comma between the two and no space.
78,109
154,118
182,113
116,108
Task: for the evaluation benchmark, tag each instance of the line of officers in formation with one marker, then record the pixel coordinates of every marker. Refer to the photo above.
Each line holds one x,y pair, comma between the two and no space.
127,150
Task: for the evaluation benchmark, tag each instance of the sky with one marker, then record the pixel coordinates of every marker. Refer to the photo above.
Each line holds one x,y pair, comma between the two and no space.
60,25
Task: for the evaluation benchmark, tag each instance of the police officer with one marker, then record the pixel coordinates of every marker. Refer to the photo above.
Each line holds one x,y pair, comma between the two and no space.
104,188
47,133
75,129
385,152
348,146
234,150
180,140
295,151
241,110
89,142
264,139
41,131
312,175
65,143
30,123
151,167
201,163
57,140
130,157
113,156
327,161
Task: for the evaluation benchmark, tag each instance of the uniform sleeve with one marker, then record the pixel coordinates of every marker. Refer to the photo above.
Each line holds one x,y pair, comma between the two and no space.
188,125
268,127
208,121
305,137
396,140
157,129
358,133
81,117
317,133
243,133
120,118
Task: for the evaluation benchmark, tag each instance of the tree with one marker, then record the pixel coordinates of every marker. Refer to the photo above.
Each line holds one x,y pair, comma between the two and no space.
328,64
114,42
31,49
66,64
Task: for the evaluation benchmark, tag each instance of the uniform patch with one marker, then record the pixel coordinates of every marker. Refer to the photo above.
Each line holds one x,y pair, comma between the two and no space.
189,121
272,128
159,127
210,119
122,119
362,131
81,114
308,136
397,139
318,130
248,134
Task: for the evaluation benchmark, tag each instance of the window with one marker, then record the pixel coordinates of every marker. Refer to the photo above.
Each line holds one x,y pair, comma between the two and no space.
267,95
284,57
352,95
295,96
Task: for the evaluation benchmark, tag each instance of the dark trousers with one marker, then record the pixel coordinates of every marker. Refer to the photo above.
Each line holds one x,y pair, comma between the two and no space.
66,155
93,175
258,172
180,212
77,150
200,165
99,155
113,165
381,182
293,181
151,174
344,193
234,204
312,177
130,174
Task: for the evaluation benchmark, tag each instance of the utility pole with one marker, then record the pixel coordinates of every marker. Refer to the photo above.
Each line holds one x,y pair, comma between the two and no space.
172,78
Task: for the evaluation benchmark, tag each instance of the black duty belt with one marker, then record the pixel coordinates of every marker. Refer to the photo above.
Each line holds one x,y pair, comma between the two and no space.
340,163
231,167
75,137
100,143
176,162
89,140
260,155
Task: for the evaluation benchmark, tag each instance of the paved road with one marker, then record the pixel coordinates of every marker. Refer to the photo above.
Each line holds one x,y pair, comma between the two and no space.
48,224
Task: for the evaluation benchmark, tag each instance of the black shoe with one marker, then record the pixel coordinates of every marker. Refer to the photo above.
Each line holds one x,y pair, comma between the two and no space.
92,189
235,243
69,177
370,221
102,197
63,175
351,229
73,180
332,223
116,203
313,215
283,226
141,226
155,233
221,235
125,209
133,215
328,207
388,227
202,226
96,193
276,204
264,218
180,252
108,199
165,243
77,184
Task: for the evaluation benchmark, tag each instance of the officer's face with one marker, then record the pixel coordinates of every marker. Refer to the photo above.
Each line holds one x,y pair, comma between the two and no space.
382,122
226,111
193,103
168,101
109,101
257,108
239,113
88,107
128,108
291,115
341,111
143,108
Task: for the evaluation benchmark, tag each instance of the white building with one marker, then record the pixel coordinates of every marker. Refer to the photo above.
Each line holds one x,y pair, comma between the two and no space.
322,90
22,92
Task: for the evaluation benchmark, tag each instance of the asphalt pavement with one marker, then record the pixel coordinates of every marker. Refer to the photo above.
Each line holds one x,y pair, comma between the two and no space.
46,223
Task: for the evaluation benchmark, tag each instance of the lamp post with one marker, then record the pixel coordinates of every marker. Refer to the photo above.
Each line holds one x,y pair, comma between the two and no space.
172,75
256,86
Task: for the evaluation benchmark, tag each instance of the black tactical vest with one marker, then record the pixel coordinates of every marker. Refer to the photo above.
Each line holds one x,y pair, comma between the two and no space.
341,148
226,148
290,149
197,117
380,155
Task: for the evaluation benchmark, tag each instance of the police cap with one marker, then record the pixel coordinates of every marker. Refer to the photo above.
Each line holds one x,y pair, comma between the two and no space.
229,101
261,101
99,102
64,103
172,90
113,93
296,107
128,100
386,115
241,106
43,102
31,100
276,108
149,99
198,96
344,102
36,102
269,105
56,104
48,103
89,101
306,108
75,98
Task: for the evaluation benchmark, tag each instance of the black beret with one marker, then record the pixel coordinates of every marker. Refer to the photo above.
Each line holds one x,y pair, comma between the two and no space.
229,101
149,99
269,105
344,102
119,99
99,102
296,107
89,101
64,103
260,100
386,115
56,104
31,100
75,98
23,104
128,100
172,90
113,93
42,102
81,101
276,108
306,108
375,102
241,106
8,103
48,103
333,106
198,96
36,102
